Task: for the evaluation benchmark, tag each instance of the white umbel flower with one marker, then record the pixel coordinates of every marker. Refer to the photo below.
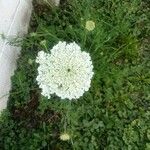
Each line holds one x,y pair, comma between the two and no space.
65,137
66,71
90,25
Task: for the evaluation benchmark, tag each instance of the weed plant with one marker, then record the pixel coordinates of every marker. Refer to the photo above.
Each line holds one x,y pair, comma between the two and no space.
115,113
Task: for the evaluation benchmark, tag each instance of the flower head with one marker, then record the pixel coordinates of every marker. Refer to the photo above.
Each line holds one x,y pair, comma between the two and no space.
90,25
66,71
65,137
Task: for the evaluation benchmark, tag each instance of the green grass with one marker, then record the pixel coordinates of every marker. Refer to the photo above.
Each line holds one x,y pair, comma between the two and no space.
115,113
